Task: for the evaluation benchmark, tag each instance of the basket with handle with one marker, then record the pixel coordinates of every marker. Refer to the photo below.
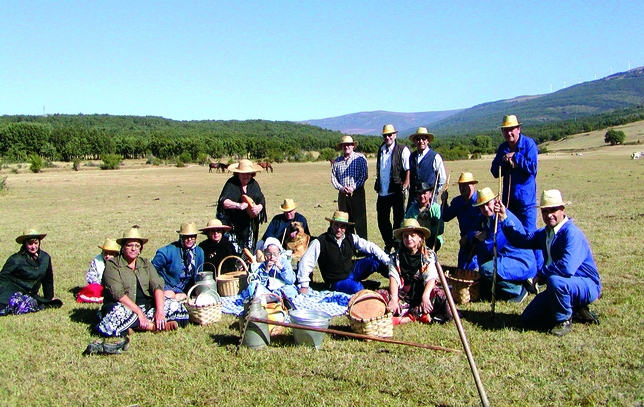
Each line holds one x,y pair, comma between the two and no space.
464,284
232,283
206,313
368,315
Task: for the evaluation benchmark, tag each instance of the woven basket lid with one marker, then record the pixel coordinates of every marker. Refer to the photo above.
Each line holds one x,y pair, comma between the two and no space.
367,304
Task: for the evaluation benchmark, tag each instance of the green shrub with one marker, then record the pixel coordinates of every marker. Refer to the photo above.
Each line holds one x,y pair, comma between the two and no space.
185,157
614,137
36,163
111,161
327,154
180,163
203,159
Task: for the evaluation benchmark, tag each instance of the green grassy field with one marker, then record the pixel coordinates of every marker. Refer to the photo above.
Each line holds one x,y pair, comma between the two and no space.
595,139
41,353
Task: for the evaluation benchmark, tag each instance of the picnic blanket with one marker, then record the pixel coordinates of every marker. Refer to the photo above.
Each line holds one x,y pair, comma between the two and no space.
332,302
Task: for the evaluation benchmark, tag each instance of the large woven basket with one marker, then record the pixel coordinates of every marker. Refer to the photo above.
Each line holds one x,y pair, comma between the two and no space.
465,284
232,283
202,314
368,315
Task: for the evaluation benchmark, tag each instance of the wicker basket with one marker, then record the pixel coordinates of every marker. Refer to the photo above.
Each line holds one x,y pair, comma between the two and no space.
378,324
202,314
233,283
465,284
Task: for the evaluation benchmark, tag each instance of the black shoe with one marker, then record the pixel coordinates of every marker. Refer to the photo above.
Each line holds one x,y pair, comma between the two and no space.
586,316
519,298
531,288
562,328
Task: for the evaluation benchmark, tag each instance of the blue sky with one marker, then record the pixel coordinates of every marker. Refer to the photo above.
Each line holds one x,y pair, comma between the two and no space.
299,60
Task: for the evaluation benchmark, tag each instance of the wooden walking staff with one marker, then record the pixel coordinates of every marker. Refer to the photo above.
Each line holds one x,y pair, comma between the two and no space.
440,220
496,249
461,334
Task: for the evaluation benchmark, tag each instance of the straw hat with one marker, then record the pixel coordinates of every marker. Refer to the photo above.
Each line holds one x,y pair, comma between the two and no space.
340,217
388,129
552,199
510,121
485,195
245,167
30,234
110,245
134,233
347,140
215,224
288,205
422,131
410,225
423,187
188,229
467,178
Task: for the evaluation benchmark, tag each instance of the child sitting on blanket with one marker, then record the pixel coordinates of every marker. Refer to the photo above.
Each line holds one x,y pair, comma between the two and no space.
93,291
274,275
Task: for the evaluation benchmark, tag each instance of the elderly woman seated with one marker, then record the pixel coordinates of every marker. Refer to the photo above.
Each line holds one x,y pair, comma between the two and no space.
217,247
274,275
413,295
179,262
134,293
22,276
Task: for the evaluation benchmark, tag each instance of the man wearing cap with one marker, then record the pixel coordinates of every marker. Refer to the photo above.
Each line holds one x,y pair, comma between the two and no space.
514,266
425,164
179,262
569,269
462,208
280,223
517,158
428,214
348,175
333,252
392,182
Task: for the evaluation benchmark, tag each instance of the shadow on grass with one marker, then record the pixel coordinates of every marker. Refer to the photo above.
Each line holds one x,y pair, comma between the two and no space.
485,321
75,290
86,316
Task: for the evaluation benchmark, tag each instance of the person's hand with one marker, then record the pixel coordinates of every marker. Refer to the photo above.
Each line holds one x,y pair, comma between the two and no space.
304,290
348,190
159,319
444,197
257,209
464,241
144,322
394,305
509,158
500,209
426,305
480,236
242,206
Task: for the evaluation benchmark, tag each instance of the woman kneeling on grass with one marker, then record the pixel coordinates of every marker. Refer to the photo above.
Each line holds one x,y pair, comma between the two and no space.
134,293
23,274
413,295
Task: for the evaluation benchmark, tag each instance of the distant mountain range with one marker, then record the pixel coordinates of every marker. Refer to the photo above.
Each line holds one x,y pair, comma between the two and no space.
618,91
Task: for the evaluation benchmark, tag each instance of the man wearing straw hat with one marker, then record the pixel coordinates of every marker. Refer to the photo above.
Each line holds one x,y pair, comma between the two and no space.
179,262
348,175
514,266
569,270
333,252
518,159
462,208
392,182
425,164
281,222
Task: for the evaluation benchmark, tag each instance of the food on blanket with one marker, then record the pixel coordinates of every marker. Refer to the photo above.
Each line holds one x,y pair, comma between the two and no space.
251,205
367,304
297,244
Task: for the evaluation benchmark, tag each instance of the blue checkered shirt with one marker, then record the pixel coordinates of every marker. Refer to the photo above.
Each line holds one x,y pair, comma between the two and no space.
350,172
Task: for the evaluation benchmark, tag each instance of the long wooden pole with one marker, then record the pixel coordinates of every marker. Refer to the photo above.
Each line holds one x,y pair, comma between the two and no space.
350,334
441,222
496,249
461,334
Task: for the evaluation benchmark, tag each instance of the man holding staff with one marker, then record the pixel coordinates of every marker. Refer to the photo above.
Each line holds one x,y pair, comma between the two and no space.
569,270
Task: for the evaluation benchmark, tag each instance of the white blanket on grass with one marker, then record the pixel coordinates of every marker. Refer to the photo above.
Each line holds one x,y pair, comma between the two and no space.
332,302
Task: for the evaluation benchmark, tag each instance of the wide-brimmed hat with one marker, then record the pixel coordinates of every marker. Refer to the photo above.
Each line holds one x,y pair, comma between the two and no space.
244,167
410,225
467,178
422,131
110,245
423,187
485,195
347,140
388,129
551,199
30,234
188,229
340,217
510,121
288,205
134,233
215,224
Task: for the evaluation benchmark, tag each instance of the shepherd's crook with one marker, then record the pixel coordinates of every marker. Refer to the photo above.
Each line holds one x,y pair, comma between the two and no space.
496,249
461,334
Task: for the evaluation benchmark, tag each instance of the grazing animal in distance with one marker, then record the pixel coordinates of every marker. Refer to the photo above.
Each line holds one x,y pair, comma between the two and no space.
265,165
637,155
297,244
218,167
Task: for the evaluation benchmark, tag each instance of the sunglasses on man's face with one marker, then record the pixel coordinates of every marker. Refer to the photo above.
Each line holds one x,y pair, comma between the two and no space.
422,138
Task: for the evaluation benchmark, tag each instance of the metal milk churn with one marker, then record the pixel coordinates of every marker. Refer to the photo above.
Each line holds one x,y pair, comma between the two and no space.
206,282
256,335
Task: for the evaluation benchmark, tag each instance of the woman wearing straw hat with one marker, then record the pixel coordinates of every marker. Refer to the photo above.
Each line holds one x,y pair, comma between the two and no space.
281,222
23,274
413,295
217,247
93,291
134,293
241,205
178,262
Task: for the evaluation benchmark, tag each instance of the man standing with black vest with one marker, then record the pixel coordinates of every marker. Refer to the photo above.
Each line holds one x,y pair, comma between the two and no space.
392,181
425,164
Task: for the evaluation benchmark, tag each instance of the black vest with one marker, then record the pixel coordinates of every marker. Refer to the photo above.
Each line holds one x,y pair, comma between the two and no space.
397,174
335,262
423,171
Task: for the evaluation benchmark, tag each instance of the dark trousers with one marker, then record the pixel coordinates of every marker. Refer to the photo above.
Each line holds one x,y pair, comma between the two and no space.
356,206
384,207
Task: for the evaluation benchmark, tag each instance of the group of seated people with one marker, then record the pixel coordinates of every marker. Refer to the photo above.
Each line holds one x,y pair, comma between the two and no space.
146,295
